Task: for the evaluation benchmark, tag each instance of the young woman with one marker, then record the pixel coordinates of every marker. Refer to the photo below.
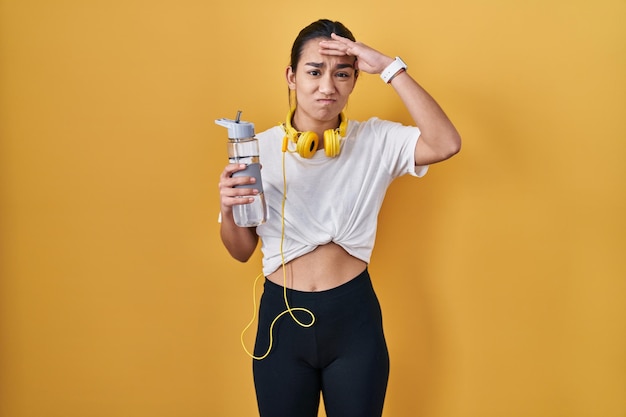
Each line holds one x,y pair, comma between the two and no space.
324,179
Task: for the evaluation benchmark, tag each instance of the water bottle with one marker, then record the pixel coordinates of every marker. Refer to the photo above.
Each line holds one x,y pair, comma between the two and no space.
243,148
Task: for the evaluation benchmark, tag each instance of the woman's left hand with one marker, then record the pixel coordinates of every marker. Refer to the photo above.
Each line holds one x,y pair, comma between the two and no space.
368,59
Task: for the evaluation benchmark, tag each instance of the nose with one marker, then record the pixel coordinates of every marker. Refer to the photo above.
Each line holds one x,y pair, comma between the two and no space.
327,85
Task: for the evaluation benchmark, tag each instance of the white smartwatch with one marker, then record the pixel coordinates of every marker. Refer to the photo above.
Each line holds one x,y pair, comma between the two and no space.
392,69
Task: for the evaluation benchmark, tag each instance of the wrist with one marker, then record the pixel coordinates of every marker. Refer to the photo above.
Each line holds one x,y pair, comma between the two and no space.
393,77
396,67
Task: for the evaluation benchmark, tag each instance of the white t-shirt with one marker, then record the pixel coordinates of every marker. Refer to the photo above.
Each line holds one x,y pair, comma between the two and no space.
332,199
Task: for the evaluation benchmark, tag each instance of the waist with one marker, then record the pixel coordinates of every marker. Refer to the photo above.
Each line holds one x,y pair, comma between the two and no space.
327,266
351,290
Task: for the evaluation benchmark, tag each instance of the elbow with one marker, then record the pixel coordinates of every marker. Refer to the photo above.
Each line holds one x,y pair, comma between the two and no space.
450,147
433,150
241,257
455,145
242,251
436,146
240,242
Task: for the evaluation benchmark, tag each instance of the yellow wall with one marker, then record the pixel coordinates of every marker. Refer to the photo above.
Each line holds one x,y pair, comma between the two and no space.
501,273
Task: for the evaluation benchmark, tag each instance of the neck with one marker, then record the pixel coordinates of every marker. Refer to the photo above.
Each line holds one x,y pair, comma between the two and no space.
317,126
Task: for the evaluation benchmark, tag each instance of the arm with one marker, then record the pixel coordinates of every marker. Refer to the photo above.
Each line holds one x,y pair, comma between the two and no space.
439,139
239,241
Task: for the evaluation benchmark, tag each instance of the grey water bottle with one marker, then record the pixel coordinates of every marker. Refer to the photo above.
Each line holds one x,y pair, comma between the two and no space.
243,148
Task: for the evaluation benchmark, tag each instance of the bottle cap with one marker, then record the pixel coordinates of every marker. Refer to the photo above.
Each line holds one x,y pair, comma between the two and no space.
237,129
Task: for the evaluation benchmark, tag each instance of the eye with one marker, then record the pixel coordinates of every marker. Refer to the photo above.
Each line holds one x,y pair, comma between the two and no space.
314,73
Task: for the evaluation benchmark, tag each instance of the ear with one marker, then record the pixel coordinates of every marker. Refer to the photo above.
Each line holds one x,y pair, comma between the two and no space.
290,76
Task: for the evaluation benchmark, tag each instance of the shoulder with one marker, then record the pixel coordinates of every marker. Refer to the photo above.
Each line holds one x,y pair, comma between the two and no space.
380,128
271,142
271,138
272,132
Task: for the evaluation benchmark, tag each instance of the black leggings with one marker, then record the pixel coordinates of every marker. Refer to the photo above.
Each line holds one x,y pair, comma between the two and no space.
343,355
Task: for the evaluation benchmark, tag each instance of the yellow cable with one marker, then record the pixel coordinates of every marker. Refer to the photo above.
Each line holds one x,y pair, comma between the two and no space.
282,257
271,326
289,309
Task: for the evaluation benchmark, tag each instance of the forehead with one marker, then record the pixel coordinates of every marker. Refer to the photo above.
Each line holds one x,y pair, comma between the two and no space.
311,54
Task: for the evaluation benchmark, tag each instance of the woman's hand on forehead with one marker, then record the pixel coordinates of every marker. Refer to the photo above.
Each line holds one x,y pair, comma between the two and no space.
368,59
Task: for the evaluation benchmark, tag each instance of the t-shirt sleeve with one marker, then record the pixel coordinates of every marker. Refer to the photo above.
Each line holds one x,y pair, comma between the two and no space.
398,144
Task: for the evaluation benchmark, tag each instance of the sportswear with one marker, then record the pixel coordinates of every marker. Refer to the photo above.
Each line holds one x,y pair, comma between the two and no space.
332,199
343,355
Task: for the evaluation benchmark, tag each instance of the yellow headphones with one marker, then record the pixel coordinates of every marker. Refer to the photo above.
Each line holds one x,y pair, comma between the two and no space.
307,142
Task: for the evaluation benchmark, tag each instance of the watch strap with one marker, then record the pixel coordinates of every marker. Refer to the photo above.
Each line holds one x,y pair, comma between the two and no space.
392,69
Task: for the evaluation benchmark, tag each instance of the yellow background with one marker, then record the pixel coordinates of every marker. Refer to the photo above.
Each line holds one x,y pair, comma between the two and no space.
502,273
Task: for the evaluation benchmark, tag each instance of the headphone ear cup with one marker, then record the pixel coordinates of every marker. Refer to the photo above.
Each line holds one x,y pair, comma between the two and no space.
307,144
332,144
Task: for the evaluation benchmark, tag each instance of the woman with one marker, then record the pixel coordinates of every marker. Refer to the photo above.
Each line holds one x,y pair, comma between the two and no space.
324,179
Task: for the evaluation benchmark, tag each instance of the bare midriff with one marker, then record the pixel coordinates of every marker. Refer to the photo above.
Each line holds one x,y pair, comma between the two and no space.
327,266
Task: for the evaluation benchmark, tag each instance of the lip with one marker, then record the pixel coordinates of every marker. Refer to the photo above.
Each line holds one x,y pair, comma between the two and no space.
326,100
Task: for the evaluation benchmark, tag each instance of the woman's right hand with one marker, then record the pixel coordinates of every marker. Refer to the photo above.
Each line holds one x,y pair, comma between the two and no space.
231,196
239,241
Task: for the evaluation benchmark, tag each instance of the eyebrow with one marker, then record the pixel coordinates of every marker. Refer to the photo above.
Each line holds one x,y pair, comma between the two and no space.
320,65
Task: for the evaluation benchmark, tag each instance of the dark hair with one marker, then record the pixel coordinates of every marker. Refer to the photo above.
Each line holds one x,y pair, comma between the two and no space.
322,28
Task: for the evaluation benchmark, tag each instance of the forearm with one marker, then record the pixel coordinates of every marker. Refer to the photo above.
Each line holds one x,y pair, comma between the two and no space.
240,242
